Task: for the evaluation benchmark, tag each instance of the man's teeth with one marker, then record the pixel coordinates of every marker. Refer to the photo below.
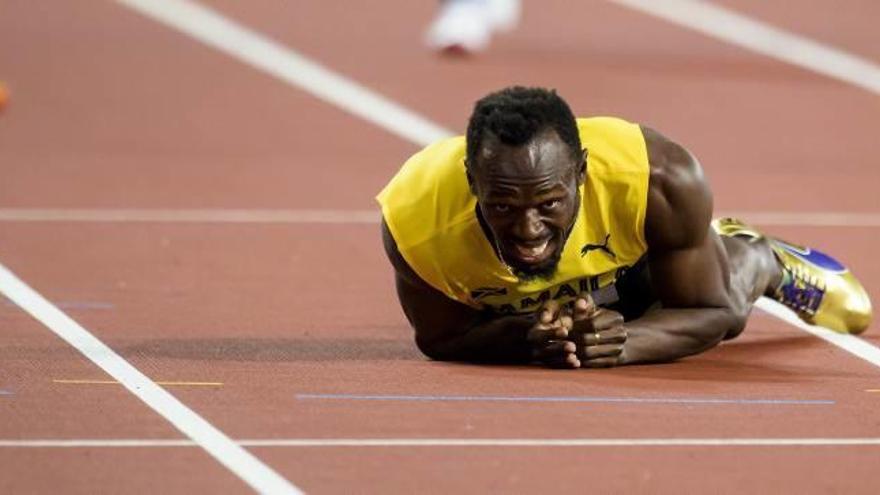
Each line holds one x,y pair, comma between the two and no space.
533,252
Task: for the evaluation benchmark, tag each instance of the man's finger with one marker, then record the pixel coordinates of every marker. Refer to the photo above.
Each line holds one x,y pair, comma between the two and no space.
554,348
583,307
616,335
566,322
545,316
589,339
544,332
603,319
557,354
569,362
540,333
600,351
549,312
599,321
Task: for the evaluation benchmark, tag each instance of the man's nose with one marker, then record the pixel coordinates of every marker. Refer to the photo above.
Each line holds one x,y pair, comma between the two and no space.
529,226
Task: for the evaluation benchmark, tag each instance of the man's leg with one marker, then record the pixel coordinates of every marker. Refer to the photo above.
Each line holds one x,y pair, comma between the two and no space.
818,288
754,272
467,26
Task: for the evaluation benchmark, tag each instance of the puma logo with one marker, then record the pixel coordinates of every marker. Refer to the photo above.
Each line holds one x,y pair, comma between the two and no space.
601,247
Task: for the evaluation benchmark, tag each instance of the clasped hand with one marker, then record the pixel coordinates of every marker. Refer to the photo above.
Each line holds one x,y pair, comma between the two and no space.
580,336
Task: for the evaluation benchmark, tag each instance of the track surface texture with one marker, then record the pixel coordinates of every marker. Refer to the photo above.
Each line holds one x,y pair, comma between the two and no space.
288,331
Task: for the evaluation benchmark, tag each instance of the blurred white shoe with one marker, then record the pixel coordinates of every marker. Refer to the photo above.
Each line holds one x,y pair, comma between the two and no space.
504,14
467,25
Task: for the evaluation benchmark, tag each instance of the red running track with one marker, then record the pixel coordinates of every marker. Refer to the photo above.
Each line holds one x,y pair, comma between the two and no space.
111,110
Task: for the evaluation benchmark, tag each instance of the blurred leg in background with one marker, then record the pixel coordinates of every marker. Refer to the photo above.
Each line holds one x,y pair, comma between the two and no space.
467,26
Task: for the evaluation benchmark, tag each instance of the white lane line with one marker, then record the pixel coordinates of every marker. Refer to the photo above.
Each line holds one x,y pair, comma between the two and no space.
849,343
458,442
306,216
62,381
79,443
806,218
262,53
254,49
740,30
319,216
247,467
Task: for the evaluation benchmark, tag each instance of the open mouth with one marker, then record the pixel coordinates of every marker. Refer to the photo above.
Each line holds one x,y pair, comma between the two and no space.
531,253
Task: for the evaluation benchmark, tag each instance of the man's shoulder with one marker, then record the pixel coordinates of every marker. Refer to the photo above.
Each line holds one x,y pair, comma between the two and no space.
606,127
679,197
614,146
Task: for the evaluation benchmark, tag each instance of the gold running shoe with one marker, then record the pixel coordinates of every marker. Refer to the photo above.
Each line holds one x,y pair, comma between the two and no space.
814,285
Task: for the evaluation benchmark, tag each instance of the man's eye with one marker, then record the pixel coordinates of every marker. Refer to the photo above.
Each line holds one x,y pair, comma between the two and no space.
551,205
500,208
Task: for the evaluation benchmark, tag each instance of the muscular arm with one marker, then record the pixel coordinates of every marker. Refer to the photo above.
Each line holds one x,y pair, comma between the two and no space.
448,330
687,262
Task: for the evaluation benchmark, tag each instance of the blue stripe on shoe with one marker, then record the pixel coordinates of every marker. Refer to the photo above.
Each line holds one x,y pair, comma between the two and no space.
813,257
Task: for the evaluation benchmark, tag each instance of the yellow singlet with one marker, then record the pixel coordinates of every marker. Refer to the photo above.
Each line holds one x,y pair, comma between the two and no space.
431,214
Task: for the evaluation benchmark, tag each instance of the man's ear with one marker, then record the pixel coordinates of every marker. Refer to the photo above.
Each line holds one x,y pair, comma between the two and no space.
470,178
582,172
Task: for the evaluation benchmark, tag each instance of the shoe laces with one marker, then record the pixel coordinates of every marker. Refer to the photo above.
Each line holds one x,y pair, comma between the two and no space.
804,291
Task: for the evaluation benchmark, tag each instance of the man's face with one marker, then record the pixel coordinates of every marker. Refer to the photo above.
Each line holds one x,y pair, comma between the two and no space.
528,197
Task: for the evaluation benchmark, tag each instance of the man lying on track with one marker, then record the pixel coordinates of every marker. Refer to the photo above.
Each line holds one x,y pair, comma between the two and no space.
583,243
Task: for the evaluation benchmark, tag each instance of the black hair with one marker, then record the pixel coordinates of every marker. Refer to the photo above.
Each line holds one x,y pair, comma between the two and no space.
517,114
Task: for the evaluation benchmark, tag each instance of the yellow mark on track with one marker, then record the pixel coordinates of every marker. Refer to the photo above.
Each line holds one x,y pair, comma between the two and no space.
114,382
873,390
